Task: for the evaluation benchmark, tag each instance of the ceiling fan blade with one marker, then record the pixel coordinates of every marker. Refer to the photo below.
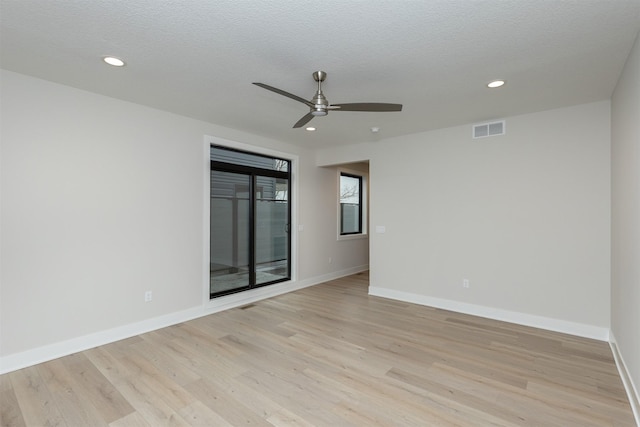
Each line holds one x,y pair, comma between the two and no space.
284,93
368,106
303,121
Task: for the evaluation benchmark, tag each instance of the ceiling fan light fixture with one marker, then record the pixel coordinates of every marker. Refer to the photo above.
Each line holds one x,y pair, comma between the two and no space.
496,83
319,112
112,60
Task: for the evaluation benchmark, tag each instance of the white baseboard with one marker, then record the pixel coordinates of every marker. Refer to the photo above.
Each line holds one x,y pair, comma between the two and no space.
627,380
45,353
572,328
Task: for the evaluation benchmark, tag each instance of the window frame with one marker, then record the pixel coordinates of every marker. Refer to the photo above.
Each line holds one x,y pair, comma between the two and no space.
363,214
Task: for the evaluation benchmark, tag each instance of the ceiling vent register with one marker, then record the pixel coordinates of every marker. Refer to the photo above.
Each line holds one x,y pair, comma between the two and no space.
489,129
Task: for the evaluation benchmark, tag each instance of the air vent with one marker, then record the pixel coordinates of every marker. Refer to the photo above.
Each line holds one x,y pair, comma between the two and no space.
489,129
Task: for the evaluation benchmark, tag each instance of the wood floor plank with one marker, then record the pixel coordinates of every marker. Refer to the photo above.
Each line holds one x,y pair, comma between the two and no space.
578,401
10,414
96,387
134,419
286,418
197,414
533,408
456,396
70,396
303,400
34,399
164,363
327,355
233,411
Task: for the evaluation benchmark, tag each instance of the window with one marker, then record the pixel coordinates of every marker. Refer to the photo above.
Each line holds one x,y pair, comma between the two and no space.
351,204
249,221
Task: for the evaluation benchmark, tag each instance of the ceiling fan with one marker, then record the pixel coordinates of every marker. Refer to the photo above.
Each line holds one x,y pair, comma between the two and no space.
320,106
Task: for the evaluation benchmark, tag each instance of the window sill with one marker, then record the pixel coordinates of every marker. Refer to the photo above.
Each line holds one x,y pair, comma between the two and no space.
353,236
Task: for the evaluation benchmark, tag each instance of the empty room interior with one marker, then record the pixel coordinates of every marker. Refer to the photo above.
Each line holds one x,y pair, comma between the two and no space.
335,213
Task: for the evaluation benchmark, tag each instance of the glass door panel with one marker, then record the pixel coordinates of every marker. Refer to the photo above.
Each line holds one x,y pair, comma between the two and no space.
230,224
272,229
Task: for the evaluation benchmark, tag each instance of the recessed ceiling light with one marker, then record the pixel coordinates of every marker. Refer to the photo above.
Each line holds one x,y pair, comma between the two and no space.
311,128
375,129
496,83
112,60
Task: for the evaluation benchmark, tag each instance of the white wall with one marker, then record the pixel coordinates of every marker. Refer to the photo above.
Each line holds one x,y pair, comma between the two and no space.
625,230
103,200
524,217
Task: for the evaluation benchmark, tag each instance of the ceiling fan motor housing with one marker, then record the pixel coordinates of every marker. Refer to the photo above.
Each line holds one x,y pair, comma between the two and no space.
320,104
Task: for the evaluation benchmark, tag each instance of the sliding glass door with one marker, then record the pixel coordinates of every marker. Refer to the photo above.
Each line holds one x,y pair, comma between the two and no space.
272,229
250,219
230,230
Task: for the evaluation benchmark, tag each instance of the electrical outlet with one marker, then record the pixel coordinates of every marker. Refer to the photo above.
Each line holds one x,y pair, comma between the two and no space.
148,296
465,283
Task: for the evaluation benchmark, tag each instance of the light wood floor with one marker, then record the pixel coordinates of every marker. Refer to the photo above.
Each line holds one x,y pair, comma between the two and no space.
329,355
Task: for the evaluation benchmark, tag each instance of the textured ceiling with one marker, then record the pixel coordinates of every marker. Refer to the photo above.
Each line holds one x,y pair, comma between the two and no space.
198,58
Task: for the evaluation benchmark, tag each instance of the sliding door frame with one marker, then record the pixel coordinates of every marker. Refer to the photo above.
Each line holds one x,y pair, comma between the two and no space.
254,172
242,298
